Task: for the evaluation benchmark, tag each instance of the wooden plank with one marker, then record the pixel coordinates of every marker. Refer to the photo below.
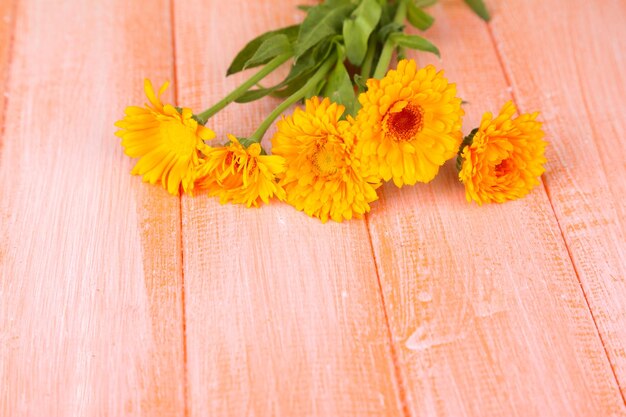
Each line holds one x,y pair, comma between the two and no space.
284,314
579,82
90,301
484,305
7,19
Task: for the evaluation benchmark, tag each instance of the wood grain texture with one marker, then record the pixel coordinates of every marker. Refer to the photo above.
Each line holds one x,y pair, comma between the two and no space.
90,301
579,83
485,308
284,315
114,303
7,26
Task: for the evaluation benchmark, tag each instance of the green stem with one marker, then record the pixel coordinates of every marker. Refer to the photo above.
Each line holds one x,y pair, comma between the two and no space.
295,97
243,88
366,69
390,46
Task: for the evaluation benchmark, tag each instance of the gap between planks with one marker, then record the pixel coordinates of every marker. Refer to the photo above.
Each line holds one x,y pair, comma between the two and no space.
402,391
182,230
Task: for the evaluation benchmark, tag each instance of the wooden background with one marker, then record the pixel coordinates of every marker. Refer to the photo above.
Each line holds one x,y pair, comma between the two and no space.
117,299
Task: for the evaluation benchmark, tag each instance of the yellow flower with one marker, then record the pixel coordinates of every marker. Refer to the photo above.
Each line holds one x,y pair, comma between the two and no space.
409,124
323,176
165,141
241,175
504,159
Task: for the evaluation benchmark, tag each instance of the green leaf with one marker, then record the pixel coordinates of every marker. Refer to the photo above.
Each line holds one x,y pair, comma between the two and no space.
401,53
424,3
273,46
251,47
478,6
357,29
314,56
414,42
360,82
284,89
388,29
315,91
389,12
299,74
308,63
419,18
322,21
339,88
253,95
337,3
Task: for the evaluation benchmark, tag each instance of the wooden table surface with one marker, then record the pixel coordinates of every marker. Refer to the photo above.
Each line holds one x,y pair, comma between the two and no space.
117,299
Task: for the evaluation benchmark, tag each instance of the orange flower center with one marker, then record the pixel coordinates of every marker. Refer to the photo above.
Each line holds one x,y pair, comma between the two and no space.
504,167
406,124
228,160
324,159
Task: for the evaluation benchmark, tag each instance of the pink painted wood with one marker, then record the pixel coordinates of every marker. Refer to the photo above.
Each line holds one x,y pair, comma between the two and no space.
582,90
118,299
284,315
484,305
90,295
7,24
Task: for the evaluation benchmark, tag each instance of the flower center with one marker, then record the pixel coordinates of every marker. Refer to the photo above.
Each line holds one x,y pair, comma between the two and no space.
406,124
324,160
504,167
228,160
178,138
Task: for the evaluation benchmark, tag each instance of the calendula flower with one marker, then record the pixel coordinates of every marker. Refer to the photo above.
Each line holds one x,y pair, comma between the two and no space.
323,176
409,124
166,141
241,175
502,159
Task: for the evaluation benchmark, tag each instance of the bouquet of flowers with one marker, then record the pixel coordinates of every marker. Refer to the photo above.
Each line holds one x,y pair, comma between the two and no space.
361,125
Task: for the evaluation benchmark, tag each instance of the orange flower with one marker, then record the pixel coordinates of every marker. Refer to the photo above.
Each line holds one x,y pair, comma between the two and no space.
502,159
324,177
166,141
409,125
241,175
